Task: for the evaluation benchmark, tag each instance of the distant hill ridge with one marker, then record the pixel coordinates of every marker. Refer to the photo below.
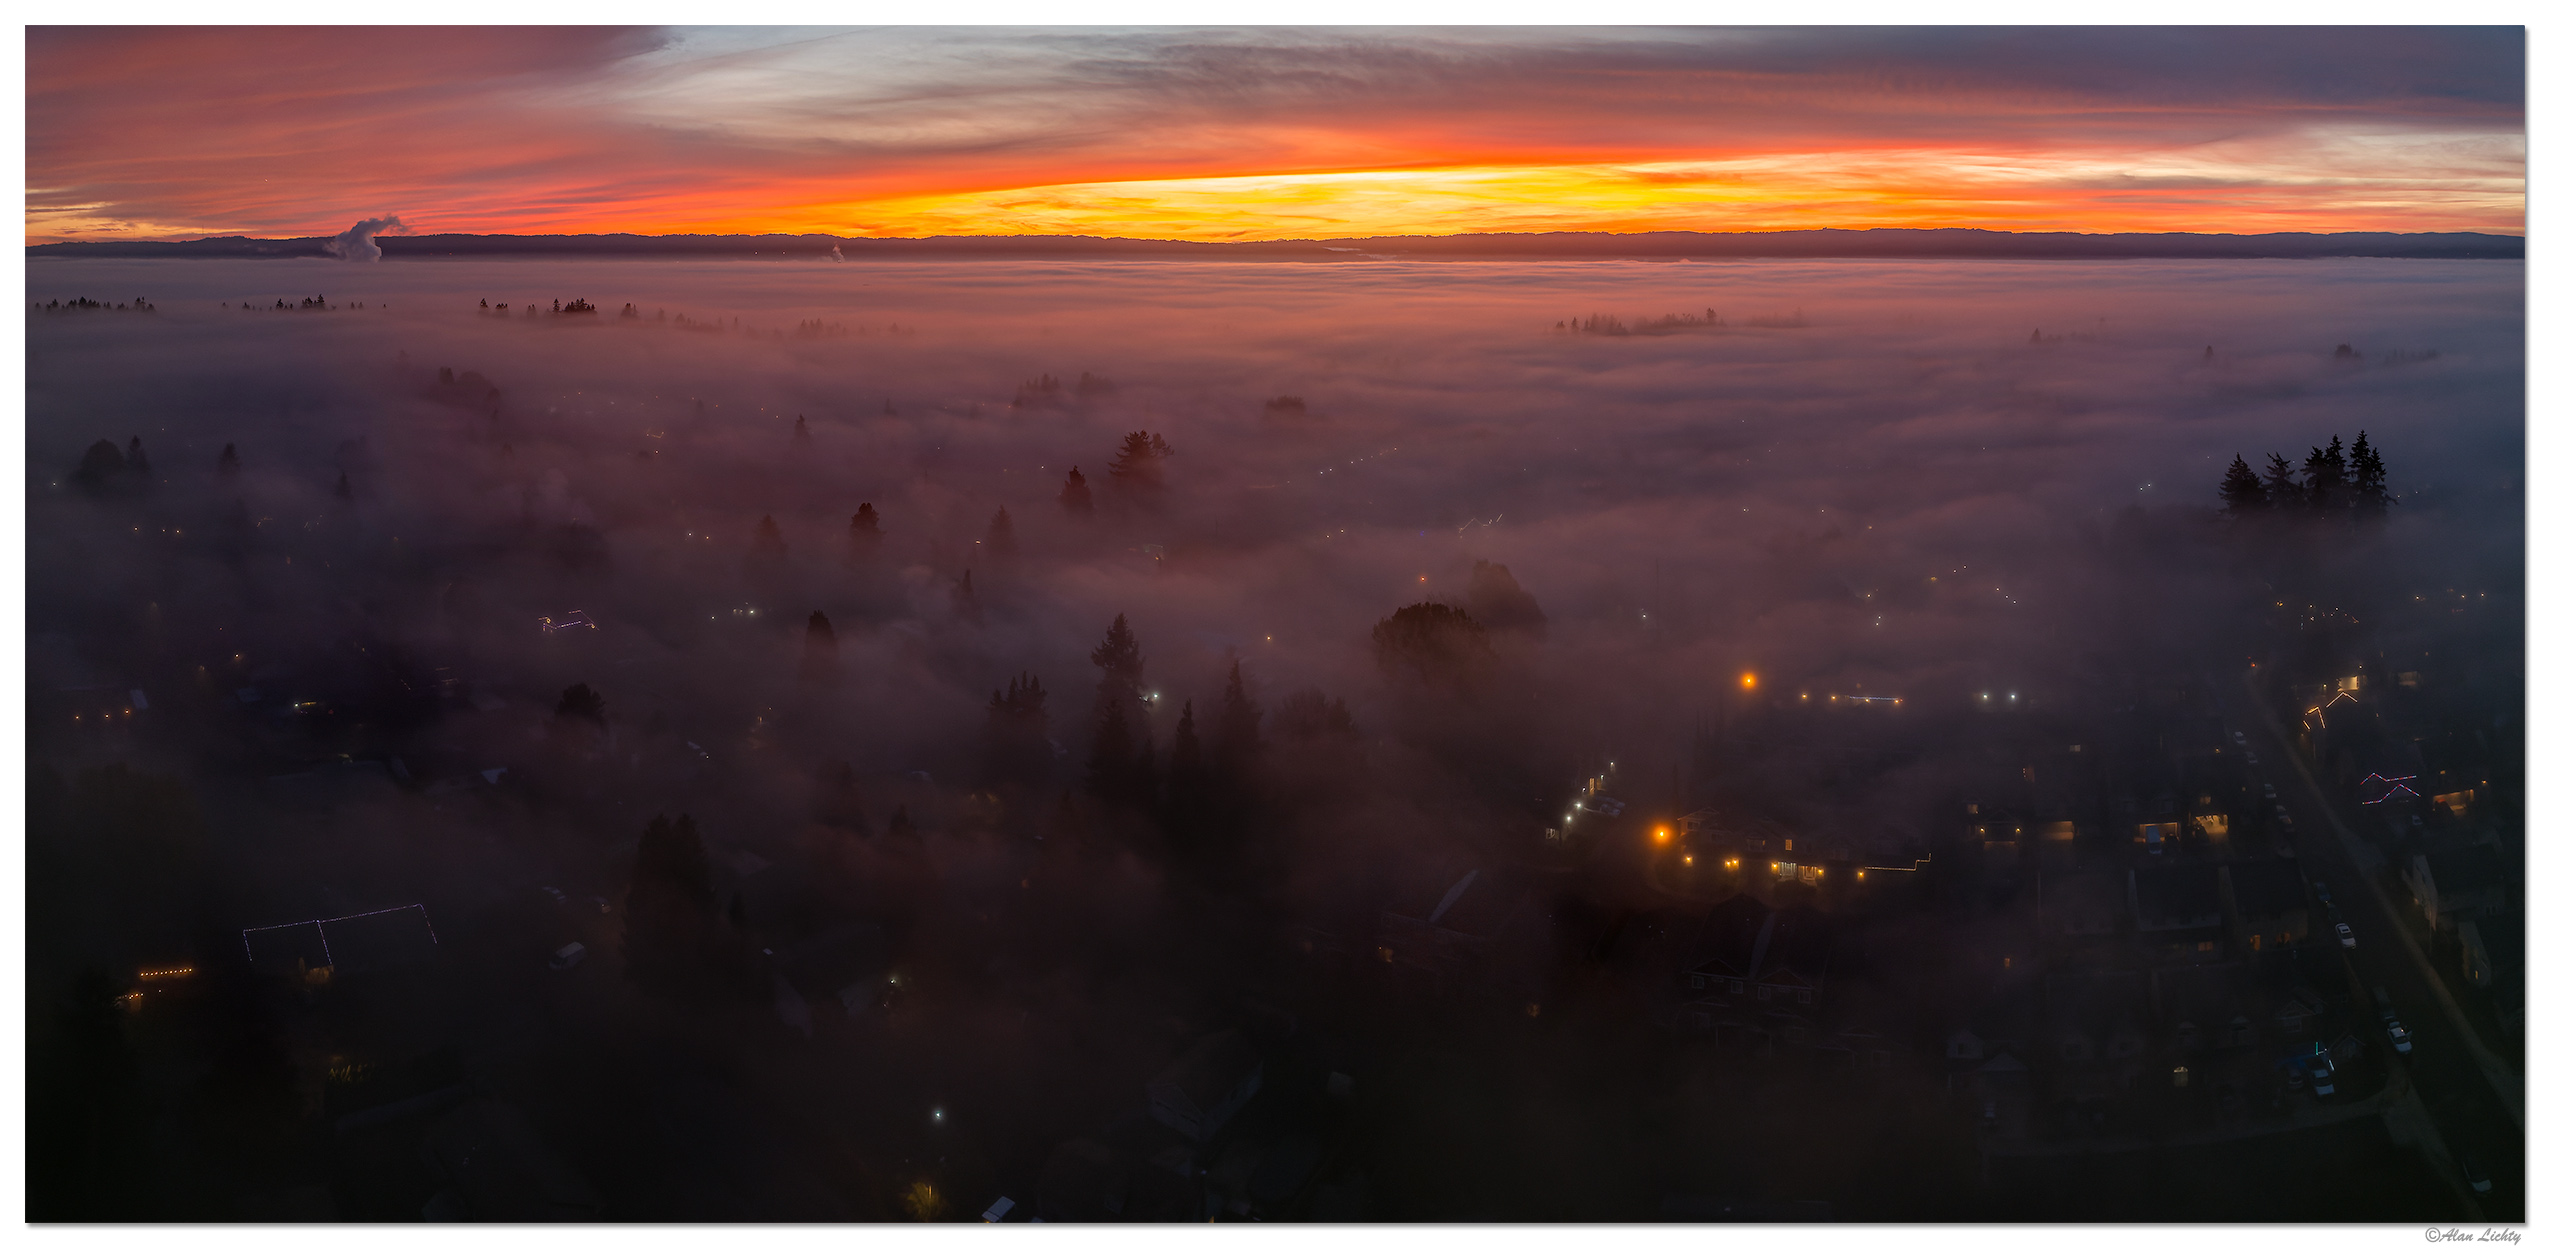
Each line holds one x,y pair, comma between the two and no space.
1659,245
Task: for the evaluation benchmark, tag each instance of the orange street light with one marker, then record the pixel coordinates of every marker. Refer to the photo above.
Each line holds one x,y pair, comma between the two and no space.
1748,680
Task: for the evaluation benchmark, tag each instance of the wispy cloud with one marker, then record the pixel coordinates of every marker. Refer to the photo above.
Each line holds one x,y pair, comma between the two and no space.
907,129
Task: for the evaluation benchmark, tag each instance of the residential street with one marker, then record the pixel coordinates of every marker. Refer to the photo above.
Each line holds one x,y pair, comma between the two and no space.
2478,1117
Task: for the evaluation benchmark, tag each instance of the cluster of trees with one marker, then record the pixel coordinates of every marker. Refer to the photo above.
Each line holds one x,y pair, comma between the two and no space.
91,305
1046,390
104,469
1614,327
1205,792
2334,481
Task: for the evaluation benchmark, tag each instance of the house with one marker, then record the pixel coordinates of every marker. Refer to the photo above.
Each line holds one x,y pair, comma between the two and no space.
2268,905
2492,950
2201,1009
1472,929
2178,910
2100,1028
1747,950
1200,1091
2454,884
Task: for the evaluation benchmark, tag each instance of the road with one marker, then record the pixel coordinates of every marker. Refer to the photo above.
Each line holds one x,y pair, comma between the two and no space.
2470,1112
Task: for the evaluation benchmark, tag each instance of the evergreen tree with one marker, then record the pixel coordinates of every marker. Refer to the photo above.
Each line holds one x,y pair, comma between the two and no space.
1118,659
344,487
803,437
134,461
2370,479
665,922
1115,772
1186,801
1235,728
229,465
2242,492
1139,468
1498,601
1001,541
822,660
1015,749
2324,478
2283,493
1309,716
866,534
1075,500
766,542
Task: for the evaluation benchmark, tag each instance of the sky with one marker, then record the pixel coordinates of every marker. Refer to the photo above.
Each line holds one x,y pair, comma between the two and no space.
1265,132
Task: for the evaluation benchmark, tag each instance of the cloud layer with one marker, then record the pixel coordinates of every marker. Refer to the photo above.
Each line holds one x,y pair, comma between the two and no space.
1270,132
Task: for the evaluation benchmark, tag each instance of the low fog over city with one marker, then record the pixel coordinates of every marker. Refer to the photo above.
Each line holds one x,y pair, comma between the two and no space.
837,739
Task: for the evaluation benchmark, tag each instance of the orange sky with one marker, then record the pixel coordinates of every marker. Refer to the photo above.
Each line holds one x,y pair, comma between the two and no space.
1268,133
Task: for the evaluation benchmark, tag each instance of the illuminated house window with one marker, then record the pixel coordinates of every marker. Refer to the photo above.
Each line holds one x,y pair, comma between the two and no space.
2178,1077
2257,942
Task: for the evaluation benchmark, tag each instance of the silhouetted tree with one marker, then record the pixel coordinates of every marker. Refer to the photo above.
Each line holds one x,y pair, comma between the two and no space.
822,660
100,468
344,487
1498,601
1115,769
2324,478
803,436
1118,659
1000,542
134,461
865,531
961,599
1235,729
2369,477
1441,646
2242,492
580,702
665,929
229,463
1015,731
1186,798
1309,715
766,543
2284,494
1075,492
1139,468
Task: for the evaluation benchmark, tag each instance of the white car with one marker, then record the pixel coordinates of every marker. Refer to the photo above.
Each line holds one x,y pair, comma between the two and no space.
2270,791
2399,1038
2346,936
2239,738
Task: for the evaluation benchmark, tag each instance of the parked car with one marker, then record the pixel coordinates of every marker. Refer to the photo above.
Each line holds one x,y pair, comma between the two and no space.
2239,738
2320,889
569,957
2477,1177
2253,757
2323,1079
2382,1004
2346,936
2399,1038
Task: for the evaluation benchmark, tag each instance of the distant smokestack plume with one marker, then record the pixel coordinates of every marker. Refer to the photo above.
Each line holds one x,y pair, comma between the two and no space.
357,244
836,254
